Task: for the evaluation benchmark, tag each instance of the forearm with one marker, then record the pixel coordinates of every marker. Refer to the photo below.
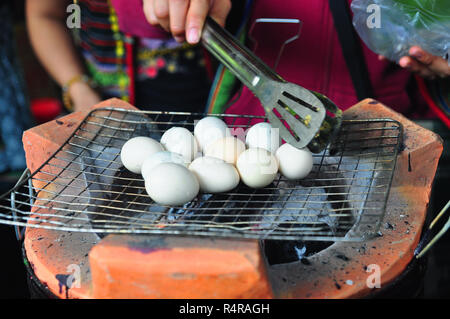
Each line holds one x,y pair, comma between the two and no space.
52,42
51,39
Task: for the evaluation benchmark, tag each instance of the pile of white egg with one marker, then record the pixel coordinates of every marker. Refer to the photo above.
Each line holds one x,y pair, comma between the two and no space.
211,160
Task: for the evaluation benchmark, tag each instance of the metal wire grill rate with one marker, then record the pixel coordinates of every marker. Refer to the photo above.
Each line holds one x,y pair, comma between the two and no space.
84,187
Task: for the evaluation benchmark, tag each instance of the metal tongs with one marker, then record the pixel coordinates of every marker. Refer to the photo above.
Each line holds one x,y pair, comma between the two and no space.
298,113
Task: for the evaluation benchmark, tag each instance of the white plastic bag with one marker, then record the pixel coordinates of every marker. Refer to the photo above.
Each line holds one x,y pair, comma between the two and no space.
391,27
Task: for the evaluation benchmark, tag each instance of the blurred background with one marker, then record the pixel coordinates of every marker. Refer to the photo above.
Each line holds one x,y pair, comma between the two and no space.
37,87
40,99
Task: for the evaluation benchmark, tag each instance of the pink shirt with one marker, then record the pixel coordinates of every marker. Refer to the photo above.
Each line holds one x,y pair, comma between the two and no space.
316,62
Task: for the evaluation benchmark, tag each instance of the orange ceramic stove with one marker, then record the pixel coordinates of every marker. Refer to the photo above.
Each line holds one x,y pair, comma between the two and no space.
136,263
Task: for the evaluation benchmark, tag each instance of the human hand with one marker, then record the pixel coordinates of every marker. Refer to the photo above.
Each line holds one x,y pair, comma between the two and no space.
185,18
425,64
83,96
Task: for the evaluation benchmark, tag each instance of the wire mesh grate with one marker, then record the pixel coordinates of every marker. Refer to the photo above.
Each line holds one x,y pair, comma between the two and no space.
84,187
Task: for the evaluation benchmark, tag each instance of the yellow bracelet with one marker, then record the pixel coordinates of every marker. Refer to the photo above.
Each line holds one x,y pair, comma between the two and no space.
65,90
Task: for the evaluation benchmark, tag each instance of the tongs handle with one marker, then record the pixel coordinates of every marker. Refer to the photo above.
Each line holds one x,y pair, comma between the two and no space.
237,58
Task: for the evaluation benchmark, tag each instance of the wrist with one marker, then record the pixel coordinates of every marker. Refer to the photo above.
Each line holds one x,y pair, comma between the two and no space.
76,88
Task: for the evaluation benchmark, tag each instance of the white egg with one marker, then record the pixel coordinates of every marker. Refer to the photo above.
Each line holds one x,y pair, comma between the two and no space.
162,157
136,150
171,184
257,167
180,140
199,154
210,129
294,163
214,175
263,135
227,148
